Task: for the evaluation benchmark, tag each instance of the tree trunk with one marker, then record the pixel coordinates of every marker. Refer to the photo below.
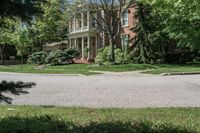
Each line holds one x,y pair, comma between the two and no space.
112,48
22,62
1,53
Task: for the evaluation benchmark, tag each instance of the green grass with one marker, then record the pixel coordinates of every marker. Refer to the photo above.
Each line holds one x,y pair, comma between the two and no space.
33,119
87,69
74,68
174,69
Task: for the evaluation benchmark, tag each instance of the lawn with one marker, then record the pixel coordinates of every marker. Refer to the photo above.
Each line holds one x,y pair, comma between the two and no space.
75,68
91,68
175,69
33,119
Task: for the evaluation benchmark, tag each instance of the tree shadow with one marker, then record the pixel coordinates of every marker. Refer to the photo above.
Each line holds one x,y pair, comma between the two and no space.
49,124
13,88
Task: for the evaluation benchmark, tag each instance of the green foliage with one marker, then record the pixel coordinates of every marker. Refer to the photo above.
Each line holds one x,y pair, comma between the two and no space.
72,53
24,9
37,58
104,56
57,57
49,124
33,119
150,40
52,26
182,23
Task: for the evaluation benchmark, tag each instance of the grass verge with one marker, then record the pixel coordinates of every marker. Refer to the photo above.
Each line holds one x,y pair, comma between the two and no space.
75,68
86,69
33,119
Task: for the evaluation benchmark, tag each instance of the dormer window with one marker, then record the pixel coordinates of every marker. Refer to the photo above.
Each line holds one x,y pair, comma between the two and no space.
125,19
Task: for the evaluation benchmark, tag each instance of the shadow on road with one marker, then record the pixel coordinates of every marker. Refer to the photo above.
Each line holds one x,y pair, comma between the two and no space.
14,88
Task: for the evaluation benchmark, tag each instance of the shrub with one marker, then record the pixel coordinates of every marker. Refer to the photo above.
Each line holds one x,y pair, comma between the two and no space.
37,58
99,58
104,55
57,57
62,57
72,53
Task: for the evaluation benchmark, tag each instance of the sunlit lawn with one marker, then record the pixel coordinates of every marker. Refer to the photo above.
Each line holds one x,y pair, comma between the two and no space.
89,69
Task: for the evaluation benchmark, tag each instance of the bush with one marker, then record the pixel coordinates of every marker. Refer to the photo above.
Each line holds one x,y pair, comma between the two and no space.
104,56
37,58
57,57
72,53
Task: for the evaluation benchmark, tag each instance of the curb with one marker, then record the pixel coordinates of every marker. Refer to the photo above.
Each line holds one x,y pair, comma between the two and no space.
179,73
43,74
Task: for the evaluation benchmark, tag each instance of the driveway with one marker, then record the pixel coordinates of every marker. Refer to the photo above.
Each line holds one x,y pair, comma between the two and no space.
109,90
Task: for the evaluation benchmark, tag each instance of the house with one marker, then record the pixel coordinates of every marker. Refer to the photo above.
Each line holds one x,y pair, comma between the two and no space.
85,35
48,47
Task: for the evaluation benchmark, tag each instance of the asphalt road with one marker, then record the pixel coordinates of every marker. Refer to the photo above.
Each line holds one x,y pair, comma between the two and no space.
113,91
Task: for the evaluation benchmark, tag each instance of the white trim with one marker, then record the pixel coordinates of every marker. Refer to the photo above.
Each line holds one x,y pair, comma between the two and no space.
82,43
122,20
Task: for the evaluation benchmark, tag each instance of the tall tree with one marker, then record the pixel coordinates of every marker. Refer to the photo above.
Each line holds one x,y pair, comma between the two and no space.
6,36
182,22
150,40
51,26
108,14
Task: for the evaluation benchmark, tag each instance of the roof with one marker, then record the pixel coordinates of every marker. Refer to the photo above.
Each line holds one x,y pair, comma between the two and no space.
54,44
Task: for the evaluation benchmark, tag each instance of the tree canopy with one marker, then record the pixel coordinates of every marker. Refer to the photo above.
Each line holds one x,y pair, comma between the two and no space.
24,9
182,22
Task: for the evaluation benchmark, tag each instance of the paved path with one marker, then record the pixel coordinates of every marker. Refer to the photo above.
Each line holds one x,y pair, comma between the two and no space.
118,90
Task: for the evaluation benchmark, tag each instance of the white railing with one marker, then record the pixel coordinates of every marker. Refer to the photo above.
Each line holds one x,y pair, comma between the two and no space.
79,29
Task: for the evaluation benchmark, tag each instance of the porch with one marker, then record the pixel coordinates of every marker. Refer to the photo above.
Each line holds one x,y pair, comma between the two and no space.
86,44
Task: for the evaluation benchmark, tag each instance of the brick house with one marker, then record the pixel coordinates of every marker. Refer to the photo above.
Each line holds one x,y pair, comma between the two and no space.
84,34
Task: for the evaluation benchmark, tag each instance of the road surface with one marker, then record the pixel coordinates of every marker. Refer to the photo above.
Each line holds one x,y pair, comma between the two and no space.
109,90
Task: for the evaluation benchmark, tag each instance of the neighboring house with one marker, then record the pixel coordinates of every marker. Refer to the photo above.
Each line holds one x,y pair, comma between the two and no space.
84,34
48,47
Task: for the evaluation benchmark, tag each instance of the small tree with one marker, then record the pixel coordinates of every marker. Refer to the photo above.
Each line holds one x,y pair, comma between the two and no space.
6,36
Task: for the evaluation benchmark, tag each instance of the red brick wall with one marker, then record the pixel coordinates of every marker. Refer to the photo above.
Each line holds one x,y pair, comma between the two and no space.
131,24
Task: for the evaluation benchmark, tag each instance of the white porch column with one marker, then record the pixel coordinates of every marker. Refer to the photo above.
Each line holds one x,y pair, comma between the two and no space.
88,19
89,47
82,44
70,43
74,24
82,21
70,25
75,44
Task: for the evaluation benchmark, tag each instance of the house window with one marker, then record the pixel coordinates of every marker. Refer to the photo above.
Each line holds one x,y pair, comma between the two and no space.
85,19
124,42
79,20
125,19
94,23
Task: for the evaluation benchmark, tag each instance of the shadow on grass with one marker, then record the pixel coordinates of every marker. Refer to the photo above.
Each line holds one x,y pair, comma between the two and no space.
13,88
49,124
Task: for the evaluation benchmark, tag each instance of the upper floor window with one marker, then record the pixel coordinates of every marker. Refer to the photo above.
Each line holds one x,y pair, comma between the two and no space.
125,19
79,24
94,23
85,19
